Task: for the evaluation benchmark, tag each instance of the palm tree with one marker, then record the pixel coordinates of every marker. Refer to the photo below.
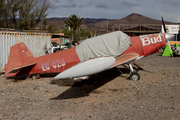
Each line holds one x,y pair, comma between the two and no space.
74,22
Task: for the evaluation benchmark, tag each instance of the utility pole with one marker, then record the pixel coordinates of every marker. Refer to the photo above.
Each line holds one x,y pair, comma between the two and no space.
107,25
178,36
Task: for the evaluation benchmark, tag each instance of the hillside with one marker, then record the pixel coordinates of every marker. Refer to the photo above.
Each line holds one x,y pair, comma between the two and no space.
88,22
95,24
133,18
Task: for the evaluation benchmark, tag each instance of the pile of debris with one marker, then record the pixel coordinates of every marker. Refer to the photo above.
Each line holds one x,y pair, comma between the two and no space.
171,51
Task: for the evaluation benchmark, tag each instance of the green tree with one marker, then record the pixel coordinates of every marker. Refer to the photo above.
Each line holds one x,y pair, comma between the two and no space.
22,14
50,28
4,14
74,22
44,24
79,35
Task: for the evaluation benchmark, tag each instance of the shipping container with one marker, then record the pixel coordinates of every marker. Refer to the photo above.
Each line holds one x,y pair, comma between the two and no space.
36,43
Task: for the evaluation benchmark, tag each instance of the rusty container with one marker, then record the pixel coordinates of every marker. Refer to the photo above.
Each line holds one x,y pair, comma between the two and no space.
36,43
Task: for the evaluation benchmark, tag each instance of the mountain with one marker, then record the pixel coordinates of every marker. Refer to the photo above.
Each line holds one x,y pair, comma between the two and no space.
88,22
93,24
92,21
133,18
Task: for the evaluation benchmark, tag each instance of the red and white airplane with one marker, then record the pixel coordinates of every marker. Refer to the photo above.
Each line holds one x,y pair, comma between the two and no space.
70,63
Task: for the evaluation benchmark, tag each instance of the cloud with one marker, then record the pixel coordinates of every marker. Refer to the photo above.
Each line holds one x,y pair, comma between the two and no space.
81,6
72,5
68,4
89,4
41,2
172,2
101,5
128,4
115,8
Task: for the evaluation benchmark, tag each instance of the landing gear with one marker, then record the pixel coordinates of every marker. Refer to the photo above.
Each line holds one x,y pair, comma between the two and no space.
34,76
135,69
134,76
134,73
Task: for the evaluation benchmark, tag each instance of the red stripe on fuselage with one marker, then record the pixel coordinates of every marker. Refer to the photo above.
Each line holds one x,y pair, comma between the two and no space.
136,46
56,62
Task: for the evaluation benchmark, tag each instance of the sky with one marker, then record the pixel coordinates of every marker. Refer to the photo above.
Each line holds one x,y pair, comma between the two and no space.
115,9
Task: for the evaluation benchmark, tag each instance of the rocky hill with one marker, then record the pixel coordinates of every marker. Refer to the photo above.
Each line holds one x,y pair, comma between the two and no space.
133,18
93,24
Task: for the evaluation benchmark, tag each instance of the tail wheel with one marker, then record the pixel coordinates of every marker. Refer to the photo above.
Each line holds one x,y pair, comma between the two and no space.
35,76
134,76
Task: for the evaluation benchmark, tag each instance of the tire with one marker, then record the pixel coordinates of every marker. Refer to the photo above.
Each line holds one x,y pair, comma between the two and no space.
34,77
134,76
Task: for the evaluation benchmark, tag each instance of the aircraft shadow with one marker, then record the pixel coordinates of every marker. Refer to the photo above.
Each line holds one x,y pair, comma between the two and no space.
84,87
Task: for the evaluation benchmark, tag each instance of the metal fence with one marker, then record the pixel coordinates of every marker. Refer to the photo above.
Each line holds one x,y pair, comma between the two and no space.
128,27
36,43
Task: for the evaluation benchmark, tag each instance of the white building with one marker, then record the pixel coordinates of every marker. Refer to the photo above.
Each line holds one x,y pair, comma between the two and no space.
173,29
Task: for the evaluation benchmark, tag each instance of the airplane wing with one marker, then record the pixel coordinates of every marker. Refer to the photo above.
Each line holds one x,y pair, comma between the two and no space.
88,67
96,65
126,58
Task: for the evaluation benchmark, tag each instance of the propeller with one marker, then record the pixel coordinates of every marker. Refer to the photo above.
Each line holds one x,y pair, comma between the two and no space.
167,35
164,25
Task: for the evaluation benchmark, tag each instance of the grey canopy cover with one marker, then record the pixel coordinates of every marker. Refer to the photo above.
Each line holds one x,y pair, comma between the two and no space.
111,44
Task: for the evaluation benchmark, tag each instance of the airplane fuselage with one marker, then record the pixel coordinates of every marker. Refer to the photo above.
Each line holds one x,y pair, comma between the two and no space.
146,44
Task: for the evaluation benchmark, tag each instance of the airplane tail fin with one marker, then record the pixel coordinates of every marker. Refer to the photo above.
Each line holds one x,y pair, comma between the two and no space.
20,57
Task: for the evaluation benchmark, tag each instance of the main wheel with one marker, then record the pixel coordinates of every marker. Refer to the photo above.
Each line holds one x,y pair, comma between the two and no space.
134,76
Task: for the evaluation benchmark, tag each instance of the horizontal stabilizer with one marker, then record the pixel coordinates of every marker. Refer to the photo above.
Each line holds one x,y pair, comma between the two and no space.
126,58
18,68
88,67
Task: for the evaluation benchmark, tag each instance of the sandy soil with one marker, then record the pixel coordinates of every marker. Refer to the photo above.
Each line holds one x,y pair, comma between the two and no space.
108,96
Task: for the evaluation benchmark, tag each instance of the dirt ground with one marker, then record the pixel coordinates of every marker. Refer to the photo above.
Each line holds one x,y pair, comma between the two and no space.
107,96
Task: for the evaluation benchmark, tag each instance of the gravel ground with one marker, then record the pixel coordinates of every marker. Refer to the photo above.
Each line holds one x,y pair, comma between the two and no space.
107,96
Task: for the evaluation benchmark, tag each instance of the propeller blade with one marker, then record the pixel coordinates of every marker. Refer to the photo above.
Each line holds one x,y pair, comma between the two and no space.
164,25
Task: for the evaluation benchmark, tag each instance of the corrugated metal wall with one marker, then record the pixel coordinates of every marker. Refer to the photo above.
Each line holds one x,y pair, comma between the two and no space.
34,41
